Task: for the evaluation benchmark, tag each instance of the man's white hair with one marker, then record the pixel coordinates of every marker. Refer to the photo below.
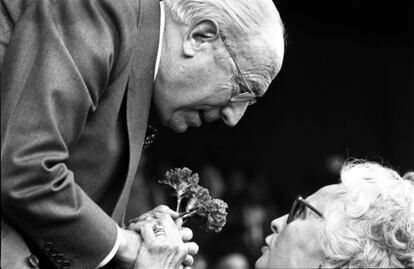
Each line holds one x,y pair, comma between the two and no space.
242,22
236,18
372,222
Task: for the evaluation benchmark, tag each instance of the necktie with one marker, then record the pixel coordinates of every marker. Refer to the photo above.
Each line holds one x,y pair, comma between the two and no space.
149,137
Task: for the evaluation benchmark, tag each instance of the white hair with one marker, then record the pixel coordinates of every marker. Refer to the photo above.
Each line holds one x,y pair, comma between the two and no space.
372,222
242,22
235,17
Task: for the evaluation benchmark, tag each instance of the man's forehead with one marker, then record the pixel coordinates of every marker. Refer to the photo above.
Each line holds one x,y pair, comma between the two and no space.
266,54
260,68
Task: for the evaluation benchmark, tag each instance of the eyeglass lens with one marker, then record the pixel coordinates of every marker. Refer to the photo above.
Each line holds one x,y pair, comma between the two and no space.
297,210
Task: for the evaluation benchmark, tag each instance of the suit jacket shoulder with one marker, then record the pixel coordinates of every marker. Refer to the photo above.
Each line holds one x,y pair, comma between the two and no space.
63,78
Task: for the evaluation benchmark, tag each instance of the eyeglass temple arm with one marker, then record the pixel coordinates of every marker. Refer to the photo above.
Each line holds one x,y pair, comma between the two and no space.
310,206
234,61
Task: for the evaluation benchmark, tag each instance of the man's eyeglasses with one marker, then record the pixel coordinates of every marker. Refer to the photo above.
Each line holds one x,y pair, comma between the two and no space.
298,209
245,96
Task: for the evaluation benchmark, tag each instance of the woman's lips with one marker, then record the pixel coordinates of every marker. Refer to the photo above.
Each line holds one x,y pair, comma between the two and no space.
265,249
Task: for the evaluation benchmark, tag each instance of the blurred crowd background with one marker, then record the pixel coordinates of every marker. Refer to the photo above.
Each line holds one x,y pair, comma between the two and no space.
346,90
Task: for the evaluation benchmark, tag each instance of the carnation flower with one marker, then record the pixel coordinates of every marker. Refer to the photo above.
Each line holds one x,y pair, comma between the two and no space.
199,198
180,179
217,214
183,181
212,212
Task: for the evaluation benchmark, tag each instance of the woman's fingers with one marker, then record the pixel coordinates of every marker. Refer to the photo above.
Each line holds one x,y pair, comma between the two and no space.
166,210
192,248
188,261
136,227
169,226
163,209
186,234
151,214
147,232
192,251
179,222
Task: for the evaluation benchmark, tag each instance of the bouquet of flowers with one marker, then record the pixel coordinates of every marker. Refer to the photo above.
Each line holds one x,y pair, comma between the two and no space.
194,200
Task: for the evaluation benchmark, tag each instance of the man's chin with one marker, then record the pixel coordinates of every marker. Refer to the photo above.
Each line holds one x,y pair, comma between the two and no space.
178,128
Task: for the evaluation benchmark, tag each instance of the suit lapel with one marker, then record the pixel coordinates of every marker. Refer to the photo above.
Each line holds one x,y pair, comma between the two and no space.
139,91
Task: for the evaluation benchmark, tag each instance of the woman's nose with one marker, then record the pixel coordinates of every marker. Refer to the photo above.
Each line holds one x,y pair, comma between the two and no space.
232,113
278,224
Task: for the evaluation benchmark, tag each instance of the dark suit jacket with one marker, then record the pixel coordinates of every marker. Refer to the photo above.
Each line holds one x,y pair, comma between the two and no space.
76,85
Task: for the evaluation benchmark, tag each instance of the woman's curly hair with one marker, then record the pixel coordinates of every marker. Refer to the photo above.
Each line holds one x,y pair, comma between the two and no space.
372,222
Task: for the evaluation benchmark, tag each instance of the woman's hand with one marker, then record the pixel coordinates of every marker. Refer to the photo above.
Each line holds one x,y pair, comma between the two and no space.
186,233
162,248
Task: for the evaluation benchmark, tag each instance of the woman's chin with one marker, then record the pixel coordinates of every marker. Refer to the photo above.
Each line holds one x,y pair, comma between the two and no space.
261,262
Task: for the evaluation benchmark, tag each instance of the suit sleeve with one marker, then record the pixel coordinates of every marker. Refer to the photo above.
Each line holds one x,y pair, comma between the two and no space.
56,67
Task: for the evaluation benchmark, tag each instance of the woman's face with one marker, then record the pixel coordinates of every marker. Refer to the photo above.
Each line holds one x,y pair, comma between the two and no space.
297,244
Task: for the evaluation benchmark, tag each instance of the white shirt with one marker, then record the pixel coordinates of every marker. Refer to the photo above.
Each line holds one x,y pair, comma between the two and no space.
162,27
157,65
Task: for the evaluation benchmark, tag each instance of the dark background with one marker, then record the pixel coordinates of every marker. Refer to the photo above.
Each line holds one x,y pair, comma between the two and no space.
346,89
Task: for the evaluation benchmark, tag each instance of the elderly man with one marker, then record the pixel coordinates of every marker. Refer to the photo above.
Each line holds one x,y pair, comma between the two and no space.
77,81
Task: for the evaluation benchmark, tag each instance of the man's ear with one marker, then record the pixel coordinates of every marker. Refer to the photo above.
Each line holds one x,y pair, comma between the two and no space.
200,35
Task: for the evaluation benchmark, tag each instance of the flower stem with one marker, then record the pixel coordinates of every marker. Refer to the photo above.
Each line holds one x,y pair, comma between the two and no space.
178,204
186,215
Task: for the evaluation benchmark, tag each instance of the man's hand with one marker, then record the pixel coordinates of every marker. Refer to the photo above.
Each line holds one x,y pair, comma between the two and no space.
150,215
129,245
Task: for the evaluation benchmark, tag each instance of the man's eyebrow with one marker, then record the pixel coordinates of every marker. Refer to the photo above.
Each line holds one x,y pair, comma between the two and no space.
258,88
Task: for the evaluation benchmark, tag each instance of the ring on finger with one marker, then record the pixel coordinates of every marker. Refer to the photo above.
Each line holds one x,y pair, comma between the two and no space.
158,229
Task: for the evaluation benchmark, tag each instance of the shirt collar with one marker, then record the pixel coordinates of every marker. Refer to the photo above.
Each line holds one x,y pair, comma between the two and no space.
162,26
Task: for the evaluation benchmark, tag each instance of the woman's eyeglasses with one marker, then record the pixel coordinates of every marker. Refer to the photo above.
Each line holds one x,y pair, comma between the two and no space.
298,209
246,96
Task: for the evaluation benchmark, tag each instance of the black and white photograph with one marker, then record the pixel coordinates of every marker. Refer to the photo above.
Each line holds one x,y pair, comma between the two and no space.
207,134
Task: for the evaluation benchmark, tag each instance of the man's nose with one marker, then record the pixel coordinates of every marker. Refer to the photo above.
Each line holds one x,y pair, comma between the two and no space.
232,113
278,224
